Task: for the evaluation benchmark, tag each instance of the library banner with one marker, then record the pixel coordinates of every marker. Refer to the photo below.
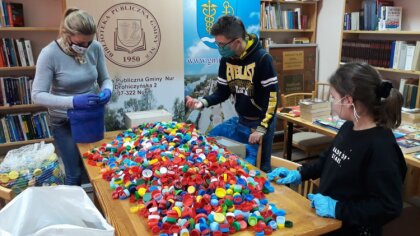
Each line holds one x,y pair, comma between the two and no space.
143,43
202,57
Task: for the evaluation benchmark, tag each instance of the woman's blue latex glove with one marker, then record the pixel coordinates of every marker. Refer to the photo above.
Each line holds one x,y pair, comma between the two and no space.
85,101
105,96
287,176
324,205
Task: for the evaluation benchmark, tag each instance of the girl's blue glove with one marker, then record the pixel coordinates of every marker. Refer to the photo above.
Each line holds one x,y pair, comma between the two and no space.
287,176
324,205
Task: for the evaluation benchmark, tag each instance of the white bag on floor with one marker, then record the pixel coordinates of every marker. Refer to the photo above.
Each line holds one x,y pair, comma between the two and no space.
60,210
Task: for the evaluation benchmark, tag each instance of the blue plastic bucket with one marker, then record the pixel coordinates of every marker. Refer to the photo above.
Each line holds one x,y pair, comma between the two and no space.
87,125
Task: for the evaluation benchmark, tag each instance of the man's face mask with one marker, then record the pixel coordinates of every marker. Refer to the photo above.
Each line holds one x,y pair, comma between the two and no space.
225,50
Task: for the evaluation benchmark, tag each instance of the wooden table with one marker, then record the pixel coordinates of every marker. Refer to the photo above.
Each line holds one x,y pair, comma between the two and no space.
290,122
298,209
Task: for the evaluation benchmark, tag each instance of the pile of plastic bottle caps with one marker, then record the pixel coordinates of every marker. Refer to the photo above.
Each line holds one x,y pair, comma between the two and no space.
183,183
30,165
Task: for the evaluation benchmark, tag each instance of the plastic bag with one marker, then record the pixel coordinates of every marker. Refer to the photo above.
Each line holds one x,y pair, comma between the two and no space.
234,130
60,210
30,165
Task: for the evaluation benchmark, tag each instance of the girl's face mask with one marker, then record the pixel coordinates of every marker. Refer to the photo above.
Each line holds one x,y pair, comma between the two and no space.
355,114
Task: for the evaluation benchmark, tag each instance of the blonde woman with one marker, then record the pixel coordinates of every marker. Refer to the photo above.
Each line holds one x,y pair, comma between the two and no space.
66,72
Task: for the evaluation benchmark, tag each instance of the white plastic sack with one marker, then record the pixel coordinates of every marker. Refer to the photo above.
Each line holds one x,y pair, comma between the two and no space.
59,210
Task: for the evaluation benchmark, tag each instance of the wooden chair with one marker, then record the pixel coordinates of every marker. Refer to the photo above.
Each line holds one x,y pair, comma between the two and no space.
302,188
305,187
322,91
310,142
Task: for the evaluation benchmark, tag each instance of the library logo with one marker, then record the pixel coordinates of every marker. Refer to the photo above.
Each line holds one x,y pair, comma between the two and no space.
207,13
129,34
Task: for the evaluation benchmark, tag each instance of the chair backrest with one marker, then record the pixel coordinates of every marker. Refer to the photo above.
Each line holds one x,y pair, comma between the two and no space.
322,91
293,99
303,188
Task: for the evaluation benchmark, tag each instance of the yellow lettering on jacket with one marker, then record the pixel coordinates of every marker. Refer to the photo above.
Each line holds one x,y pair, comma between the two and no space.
240,72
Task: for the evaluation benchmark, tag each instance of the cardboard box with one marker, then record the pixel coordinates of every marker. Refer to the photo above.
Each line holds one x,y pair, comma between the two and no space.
233,146
133,119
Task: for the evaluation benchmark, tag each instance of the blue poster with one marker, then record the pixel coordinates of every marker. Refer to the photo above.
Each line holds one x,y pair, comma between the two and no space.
202,58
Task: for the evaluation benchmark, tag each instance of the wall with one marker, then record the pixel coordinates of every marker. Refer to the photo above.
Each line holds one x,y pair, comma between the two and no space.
330,23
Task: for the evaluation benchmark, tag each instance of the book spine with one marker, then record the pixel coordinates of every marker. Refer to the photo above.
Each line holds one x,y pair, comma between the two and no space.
29,52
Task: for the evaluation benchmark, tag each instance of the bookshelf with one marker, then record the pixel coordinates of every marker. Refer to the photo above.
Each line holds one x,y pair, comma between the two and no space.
40,30
281,21
378,48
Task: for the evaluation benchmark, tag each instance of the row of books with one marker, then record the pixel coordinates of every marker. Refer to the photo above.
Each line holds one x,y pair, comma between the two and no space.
11,14
405,55
274,17
15,90
23,127
409,89
16,52
353,21
389,18
374,15
382,53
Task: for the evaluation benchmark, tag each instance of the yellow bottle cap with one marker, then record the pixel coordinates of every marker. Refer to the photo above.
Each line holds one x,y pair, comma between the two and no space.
220,192
4,178
219,217
142,191
191,189
153,161
37,172
56,172
177,211
134,209
13,175
199,198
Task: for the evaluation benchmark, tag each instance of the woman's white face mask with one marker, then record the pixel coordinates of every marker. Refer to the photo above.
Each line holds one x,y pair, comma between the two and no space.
333,112
78,49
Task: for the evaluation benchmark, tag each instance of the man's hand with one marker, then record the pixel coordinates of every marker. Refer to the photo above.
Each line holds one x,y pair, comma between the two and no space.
255,137
193,103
